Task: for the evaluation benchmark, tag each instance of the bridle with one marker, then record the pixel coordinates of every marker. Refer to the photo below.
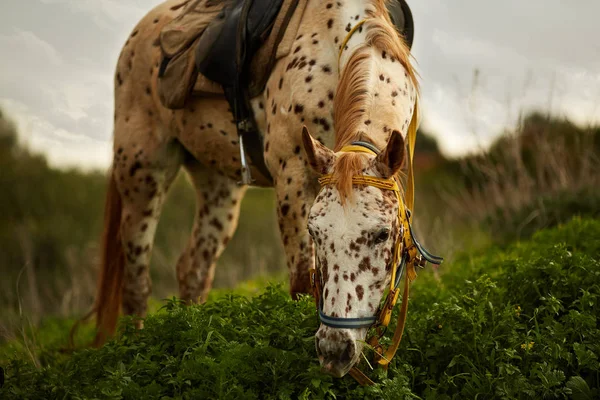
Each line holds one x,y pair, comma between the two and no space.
408,254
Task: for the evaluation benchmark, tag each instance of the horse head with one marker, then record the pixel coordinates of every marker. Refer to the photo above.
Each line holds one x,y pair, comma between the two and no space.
357,230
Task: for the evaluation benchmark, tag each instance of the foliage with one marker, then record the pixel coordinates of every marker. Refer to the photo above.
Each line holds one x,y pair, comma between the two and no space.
426,143
546,149
41,229
52,219
521,322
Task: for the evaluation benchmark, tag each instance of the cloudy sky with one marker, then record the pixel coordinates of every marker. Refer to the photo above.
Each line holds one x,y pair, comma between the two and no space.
58,58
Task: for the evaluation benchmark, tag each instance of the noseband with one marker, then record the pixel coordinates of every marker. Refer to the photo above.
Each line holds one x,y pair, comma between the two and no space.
408,254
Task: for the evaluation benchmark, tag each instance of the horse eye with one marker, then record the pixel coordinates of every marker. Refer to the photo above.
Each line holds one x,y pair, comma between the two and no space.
382,235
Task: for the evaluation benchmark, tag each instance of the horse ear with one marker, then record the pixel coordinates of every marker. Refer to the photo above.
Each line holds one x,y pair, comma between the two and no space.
320,158
389,161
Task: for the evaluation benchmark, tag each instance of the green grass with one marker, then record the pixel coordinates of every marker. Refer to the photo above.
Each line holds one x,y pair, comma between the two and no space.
513,322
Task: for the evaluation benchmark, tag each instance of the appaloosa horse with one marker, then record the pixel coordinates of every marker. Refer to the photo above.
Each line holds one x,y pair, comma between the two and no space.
347,79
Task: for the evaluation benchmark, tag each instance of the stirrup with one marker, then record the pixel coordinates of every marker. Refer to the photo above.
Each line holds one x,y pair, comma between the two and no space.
246,175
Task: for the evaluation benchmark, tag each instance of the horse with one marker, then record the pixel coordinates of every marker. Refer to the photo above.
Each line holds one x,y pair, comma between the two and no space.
349,79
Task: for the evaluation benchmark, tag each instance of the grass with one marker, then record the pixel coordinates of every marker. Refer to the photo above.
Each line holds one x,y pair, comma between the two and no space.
519,321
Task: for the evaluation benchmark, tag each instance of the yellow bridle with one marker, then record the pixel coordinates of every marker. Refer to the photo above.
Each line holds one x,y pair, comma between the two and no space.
406,249
347,39
383,357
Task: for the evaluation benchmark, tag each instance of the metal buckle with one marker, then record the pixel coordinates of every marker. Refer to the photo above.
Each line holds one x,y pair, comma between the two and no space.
385,315
244,125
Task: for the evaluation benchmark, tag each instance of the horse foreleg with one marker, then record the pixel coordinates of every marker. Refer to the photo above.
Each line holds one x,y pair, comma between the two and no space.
218,200
295,194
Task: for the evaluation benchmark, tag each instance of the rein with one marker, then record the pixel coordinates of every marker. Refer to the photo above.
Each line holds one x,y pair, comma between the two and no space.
408,254
347,39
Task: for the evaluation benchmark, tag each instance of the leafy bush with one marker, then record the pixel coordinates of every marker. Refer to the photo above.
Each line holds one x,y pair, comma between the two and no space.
515,323
520,323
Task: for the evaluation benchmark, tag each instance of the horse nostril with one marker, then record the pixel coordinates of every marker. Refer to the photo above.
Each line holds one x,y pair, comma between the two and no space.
348,352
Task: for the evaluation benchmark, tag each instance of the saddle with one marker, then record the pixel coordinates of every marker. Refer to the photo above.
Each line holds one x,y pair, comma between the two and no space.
229,48
210,30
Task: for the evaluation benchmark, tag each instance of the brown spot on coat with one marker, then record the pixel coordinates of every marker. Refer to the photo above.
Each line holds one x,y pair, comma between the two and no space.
217,224
360,292
136,165
365,264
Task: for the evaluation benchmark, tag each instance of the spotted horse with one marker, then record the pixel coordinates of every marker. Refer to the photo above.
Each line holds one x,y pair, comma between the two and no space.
337,108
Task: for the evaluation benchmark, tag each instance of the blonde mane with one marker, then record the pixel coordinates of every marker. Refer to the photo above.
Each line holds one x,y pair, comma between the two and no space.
352,97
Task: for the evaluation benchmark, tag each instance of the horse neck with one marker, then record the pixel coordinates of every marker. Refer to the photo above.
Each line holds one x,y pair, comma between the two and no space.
386,105
329,23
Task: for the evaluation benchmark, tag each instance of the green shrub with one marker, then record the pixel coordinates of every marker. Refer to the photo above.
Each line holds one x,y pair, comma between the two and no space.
520,323
515,323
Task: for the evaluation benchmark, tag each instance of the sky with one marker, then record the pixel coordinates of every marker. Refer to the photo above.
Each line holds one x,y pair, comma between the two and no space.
481,64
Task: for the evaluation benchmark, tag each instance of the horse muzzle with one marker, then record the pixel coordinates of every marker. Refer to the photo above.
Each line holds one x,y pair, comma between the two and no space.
337,350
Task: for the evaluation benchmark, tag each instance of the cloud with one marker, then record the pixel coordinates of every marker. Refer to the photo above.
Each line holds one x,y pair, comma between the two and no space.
62,148
105,13
29,45
538,54
458,128
485,64
30,48
61,107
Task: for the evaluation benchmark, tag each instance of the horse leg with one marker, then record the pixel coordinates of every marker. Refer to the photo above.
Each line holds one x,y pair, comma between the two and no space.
295,194
143,181
218,200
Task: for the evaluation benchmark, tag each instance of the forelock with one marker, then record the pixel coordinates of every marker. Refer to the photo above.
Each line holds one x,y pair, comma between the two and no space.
346,166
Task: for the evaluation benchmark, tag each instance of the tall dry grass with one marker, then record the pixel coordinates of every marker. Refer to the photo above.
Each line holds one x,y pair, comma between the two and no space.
540,171
534,161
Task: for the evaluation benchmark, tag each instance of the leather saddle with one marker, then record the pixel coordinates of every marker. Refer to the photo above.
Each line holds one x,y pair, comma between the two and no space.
229,42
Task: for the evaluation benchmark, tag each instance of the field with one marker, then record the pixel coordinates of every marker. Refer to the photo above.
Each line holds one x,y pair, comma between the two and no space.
513,313
521,322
